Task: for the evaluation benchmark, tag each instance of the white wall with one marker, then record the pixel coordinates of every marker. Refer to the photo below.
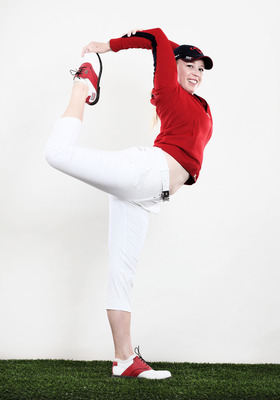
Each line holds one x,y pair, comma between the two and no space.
207,288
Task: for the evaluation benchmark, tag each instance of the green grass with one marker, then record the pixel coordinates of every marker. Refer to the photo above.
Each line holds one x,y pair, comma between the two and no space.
84,380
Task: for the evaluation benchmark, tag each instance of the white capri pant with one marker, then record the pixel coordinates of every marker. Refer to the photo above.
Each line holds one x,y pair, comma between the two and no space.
134,179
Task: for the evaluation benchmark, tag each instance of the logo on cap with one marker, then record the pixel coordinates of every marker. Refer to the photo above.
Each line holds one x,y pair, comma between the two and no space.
196,48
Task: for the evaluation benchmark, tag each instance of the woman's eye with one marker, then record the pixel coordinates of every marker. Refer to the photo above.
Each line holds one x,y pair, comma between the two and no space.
190,65
201,69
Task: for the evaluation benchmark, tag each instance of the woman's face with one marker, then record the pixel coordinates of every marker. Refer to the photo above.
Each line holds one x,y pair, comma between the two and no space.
190,74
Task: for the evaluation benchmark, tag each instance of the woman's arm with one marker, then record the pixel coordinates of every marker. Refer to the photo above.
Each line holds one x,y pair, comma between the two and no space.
101,47
165,69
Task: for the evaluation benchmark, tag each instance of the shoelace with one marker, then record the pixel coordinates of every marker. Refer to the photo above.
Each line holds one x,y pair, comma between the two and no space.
137,352
77,72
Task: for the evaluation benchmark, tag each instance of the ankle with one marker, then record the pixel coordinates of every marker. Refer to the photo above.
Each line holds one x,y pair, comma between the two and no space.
124,356
81,86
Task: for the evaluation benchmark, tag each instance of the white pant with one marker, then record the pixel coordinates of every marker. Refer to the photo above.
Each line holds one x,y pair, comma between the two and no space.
134,179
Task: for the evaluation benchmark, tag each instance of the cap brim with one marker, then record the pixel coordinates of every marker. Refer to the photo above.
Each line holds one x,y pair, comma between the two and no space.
208,63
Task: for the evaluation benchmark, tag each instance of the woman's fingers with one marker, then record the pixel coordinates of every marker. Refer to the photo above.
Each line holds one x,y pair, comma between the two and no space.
133,31
96,47
90,48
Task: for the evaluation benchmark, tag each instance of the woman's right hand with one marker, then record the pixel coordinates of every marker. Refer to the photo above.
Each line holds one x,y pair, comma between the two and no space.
132,32
96,47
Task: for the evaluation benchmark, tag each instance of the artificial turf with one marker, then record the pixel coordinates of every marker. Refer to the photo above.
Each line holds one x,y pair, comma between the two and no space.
91,380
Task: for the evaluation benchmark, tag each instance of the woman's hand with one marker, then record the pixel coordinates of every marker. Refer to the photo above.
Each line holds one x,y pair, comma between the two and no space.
132,32
96,47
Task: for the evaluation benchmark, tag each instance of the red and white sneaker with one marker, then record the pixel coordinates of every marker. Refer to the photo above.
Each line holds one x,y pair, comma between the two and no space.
136,367
90,73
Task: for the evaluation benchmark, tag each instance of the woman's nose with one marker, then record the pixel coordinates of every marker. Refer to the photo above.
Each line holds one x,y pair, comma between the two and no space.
195,72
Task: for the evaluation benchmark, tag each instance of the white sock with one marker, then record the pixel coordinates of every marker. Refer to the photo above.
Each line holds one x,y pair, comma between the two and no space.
85,81
125,361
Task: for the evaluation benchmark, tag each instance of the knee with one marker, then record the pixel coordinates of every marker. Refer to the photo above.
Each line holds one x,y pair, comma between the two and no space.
54,155
50,155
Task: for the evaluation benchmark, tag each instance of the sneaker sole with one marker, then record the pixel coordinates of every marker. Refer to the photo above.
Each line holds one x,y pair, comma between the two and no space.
136,377
98,81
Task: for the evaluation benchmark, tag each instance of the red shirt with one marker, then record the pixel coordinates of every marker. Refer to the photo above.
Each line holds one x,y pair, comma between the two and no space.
186,121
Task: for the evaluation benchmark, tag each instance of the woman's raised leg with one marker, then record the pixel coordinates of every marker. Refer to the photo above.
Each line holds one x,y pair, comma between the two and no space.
77,101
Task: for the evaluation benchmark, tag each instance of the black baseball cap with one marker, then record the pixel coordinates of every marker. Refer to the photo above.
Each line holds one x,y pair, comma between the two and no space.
192,53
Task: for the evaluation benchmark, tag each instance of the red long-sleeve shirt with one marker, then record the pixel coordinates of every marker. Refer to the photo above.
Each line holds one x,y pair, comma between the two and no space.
186,121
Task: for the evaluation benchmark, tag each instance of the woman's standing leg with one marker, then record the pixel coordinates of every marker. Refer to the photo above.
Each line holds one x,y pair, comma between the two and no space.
128,225
120,323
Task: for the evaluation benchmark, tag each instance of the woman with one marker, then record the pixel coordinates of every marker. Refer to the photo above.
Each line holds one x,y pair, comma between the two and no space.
137,178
